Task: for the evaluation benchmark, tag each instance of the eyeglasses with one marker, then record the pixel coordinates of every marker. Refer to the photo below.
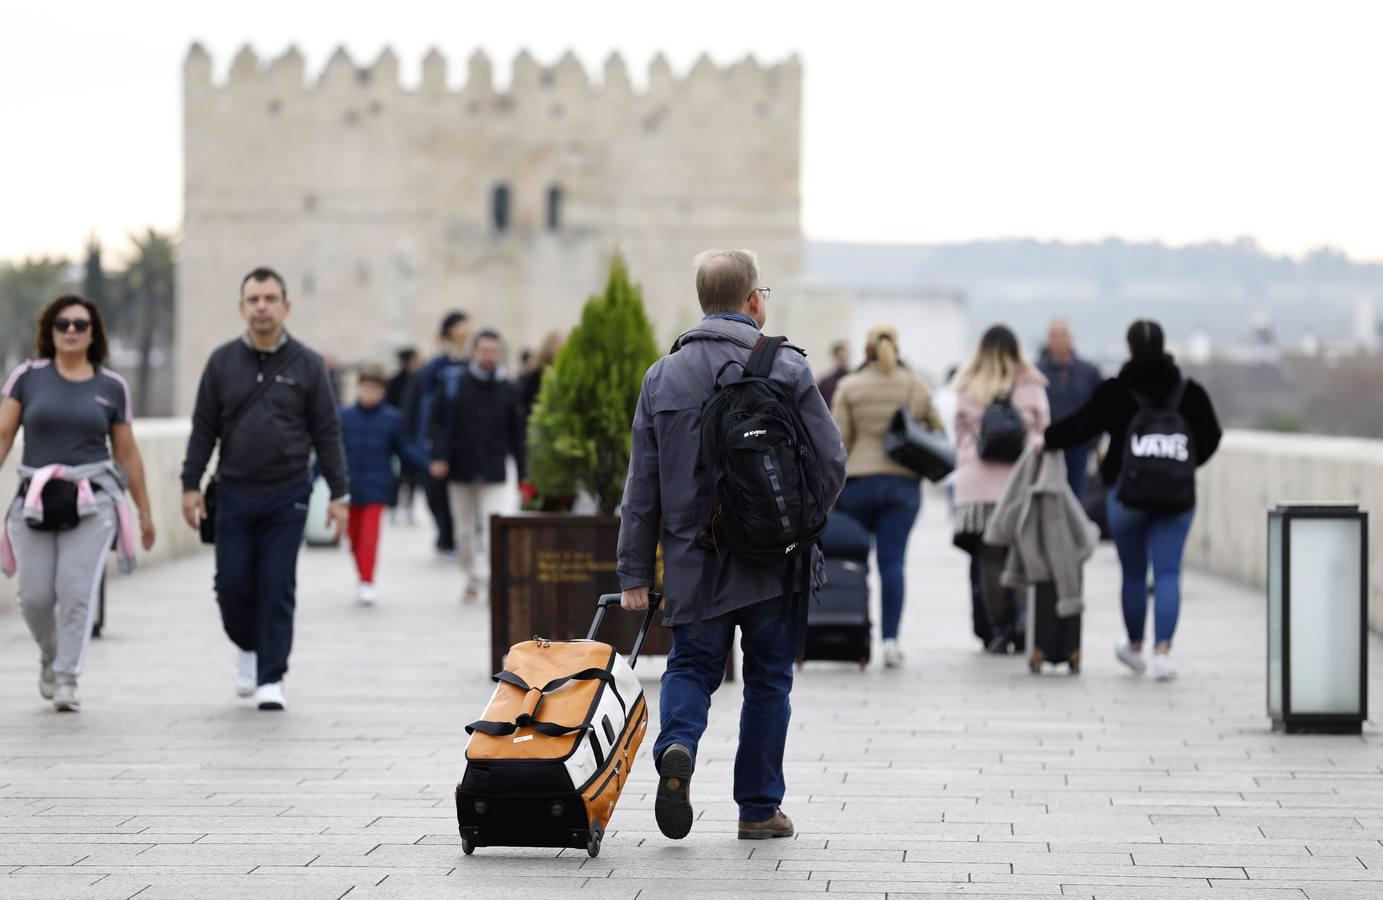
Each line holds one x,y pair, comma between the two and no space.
81,326
762,291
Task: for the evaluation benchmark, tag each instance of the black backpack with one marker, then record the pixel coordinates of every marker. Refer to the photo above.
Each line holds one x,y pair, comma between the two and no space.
767,500
1159,468
1003,433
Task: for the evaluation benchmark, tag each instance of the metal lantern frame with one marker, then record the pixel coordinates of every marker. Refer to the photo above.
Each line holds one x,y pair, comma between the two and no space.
1285,718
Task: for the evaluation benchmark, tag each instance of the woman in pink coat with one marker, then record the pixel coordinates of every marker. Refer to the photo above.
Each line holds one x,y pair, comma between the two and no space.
998,381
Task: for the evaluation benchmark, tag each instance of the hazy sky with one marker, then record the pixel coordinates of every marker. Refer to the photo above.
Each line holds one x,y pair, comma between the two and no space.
923,121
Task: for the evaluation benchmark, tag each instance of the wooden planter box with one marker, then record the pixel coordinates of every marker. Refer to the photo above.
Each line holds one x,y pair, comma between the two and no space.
546,573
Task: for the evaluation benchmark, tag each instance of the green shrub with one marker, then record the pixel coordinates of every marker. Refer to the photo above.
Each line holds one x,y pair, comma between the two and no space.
578,435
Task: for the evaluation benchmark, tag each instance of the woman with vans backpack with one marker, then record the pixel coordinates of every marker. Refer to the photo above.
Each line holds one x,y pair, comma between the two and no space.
880,494
1162,428
1001,408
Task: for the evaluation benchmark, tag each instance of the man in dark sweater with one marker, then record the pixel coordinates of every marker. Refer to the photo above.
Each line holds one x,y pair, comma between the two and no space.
267,400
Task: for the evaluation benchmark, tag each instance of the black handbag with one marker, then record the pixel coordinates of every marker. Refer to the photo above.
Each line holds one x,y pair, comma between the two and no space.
1003,433
59,506
927,453
206,529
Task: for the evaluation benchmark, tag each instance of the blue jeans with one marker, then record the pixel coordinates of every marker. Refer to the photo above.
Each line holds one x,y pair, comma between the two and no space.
1078,471
1141,538
257,541
694,671
887,506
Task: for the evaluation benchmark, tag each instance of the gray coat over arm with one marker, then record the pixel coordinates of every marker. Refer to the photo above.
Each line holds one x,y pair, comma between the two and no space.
664,497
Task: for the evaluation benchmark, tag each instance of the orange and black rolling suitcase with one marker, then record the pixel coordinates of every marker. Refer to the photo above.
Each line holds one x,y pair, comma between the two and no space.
546,764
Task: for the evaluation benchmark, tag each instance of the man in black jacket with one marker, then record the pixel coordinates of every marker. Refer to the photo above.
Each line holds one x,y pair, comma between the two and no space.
476,427
267,399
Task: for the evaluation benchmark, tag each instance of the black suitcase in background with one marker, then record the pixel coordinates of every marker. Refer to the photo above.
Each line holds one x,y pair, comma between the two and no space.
838,624
1051,638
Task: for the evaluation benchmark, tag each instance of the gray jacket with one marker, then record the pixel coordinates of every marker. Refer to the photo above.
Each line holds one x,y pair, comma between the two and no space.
665,498
1045,528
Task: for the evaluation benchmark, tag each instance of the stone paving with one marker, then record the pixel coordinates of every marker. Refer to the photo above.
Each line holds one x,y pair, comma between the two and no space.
958,775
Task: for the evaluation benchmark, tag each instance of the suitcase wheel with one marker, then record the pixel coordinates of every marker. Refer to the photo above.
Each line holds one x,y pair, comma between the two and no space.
1035,666
467,846
1075,667
593,845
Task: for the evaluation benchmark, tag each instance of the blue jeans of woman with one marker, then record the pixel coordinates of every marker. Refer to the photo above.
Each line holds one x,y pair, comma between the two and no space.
887,506
1144,538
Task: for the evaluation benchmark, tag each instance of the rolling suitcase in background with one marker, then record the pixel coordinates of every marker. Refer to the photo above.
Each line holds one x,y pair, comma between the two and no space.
1052,639
838,625
546,764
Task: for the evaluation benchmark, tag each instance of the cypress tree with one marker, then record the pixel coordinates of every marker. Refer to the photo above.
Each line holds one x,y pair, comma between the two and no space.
579,433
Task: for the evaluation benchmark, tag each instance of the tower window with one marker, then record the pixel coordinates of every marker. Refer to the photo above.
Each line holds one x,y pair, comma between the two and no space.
554,208
499,208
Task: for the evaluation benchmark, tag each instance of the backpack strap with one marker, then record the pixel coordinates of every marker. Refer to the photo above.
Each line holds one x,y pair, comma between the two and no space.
761,359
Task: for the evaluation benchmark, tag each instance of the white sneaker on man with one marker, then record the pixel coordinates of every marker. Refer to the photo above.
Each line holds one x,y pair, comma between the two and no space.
1130,657
893,654
269,697
246,673
1163,669
367,595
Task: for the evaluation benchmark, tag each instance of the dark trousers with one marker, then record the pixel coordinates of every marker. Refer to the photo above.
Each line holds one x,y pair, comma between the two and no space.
257,541
1078,471
440,507
695,669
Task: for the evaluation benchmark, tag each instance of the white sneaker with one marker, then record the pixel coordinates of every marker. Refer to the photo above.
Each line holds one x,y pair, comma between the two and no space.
47,681
366,594
1163,669
246,673
1130,657
65,698
270,696
893,654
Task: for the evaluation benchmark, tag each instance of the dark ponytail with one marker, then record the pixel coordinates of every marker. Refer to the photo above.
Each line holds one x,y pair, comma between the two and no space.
1146,340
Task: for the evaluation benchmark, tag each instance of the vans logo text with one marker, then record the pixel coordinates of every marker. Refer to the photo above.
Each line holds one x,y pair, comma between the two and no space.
760,433
1161,446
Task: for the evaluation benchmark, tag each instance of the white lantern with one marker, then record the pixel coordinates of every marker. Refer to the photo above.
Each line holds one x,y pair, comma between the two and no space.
1318,579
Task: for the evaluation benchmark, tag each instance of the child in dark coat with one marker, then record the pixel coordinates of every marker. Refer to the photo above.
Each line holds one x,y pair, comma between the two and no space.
373,434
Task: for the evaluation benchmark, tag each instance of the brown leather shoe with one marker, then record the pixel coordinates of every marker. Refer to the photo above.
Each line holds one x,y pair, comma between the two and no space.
780,826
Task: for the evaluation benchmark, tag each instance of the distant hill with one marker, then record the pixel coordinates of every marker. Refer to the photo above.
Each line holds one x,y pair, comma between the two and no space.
1223,289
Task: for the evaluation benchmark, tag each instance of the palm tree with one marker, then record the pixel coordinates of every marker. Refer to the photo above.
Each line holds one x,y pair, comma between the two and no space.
146,294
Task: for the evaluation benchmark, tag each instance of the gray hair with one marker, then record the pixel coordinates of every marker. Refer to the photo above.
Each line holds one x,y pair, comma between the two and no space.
725,279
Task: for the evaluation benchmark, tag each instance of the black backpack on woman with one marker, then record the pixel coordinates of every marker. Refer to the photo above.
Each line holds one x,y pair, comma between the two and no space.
1003,433
1159,467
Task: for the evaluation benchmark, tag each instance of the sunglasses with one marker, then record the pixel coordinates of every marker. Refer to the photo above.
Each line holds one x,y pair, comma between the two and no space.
80,326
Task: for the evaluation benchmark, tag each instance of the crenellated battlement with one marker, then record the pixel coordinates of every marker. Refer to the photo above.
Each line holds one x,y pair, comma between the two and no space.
528,76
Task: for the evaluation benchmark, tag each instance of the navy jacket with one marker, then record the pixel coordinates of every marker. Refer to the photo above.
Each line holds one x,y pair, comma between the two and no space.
477,424
1069,387
666,498
373,437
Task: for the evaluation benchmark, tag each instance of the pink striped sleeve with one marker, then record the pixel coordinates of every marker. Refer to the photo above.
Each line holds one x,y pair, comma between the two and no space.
125,412
13,381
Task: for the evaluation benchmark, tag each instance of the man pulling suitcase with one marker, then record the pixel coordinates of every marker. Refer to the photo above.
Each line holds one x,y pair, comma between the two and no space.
717,572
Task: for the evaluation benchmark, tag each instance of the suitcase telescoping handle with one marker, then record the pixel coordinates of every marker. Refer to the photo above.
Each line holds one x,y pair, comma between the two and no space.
655,600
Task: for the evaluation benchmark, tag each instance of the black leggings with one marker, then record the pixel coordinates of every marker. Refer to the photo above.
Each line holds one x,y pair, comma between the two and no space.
999,601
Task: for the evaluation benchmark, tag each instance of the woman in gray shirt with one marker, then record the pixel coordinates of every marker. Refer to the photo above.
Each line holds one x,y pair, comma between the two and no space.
79,457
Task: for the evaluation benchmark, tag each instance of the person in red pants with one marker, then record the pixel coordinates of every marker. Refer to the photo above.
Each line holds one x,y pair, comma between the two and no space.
373,435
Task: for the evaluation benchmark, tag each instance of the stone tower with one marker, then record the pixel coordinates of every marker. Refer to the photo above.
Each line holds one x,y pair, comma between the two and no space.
384,207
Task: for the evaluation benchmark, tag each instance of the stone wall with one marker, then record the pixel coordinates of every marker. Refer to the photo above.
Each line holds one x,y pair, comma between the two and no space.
1254,472
162,443
375,200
